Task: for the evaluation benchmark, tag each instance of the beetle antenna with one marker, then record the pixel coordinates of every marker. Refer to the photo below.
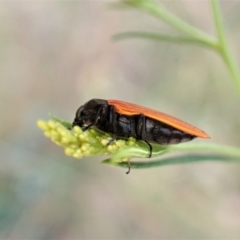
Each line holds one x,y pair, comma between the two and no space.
129,167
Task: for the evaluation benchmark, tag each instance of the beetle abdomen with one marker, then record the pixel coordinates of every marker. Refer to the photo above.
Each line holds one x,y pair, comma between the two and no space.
157,132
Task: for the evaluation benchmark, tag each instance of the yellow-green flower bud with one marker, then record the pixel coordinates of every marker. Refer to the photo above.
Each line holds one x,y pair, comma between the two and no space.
78,143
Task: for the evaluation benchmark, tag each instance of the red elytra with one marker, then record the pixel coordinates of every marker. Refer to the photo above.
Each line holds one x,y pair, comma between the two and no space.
130,109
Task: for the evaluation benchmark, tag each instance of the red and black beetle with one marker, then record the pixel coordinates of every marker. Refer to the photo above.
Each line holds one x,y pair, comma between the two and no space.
124,120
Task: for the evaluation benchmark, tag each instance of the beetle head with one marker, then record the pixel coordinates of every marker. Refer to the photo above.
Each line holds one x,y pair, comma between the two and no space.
87,113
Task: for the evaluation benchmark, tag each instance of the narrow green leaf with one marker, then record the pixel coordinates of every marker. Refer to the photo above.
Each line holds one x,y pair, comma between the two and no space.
191,158
158,37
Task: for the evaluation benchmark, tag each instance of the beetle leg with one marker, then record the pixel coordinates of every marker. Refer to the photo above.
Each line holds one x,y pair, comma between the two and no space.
113,122
150,148
141,131
129,167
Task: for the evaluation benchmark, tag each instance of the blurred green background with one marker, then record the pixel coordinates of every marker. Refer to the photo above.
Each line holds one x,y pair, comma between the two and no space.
55,56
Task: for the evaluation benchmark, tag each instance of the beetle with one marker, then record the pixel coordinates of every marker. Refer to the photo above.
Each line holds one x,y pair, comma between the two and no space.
124,120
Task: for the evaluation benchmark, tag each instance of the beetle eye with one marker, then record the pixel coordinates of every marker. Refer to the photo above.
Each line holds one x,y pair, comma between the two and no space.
79,112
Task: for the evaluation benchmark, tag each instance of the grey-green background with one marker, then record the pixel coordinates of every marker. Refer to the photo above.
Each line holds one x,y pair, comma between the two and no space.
56,55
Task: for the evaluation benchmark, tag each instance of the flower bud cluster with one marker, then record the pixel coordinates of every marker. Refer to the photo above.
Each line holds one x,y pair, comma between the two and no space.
78,143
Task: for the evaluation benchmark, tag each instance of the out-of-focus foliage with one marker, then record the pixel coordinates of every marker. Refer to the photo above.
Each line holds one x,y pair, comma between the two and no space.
56,56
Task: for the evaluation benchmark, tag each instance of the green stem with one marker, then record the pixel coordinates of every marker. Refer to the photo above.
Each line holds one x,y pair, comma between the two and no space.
224,49
164,161
224,153
160,37
220,149
220,44
159,11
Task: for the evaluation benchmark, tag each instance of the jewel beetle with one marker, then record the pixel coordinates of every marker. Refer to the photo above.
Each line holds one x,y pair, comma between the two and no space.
124,120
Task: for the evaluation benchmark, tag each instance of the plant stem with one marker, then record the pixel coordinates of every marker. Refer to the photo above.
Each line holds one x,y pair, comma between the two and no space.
206,147
159,11
223,48
212,152
160,37
190,158
220,149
